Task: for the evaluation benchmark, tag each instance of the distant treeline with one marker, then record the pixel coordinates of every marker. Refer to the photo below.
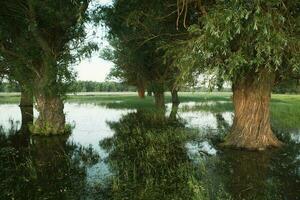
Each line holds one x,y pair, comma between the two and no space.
291,87
9,87
92,86
288,86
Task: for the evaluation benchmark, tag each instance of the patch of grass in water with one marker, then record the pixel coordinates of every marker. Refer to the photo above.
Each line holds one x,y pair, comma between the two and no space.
149,160
9,98
213,107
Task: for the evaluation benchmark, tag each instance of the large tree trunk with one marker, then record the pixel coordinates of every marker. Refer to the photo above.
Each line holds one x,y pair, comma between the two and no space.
159,99
251,128
51,119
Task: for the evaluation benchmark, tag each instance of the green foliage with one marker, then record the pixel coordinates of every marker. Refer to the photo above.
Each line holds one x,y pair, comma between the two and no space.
289,86
45,39
234,38
149,159
137,32
9,87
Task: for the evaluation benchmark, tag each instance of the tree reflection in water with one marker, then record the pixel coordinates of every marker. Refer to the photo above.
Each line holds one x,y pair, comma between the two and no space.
268,175
42,167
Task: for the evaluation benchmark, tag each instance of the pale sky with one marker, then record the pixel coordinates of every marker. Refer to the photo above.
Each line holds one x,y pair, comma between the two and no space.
95,68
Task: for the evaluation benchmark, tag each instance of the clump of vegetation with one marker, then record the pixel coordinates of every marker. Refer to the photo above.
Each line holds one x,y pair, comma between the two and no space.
149,160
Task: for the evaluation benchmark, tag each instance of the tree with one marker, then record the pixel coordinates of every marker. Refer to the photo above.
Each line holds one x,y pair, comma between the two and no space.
46,38
19,81
129,66
138,30
252,44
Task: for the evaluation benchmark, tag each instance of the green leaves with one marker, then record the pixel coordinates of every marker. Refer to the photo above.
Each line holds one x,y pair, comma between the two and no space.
239,37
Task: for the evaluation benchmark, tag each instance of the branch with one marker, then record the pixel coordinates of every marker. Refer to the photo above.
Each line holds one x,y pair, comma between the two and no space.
33,28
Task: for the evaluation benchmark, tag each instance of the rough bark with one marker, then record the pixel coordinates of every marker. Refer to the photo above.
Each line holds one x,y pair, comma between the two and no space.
51,119
159,100
251,127
26,107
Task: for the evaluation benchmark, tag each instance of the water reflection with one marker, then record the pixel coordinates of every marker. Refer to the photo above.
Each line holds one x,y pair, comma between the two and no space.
148,155
149,159
260,175
42,167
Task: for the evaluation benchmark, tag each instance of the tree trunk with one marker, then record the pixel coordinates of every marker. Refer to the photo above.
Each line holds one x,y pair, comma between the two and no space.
175,98
149,93
141,92
26,107
251,127
175,104
174,111
159,100
51,119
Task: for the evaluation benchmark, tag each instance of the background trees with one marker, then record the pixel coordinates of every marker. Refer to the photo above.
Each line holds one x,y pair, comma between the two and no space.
138,31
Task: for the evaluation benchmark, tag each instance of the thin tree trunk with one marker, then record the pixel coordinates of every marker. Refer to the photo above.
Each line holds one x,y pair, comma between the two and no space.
159,100
251,128
26,107
51,119
149,93
174,111
175,104
141,92
175,98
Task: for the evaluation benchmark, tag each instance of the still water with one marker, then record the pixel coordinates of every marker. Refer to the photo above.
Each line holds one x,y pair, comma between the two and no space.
141,154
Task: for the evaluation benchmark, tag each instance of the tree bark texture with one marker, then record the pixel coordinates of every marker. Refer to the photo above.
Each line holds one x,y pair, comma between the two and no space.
251,127
51,119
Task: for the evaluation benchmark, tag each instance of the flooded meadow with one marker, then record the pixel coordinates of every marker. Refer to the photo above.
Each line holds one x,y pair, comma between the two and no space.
123,149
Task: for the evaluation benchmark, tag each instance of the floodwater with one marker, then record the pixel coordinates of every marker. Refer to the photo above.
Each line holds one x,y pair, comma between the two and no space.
141,154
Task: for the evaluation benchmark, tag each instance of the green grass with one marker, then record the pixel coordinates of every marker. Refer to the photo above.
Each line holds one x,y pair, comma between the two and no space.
285,111
7,98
